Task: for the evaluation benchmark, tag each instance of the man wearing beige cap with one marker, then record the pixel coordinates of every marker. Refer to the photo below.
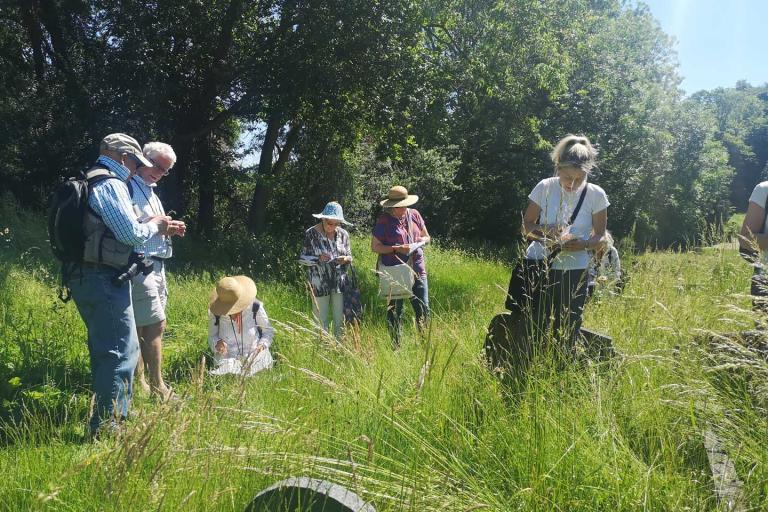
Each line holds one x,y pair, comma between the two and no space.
111,231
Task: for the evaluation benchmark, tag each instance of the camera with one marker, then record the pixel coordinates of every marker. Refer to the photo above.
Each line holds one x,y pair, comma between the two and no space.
137,263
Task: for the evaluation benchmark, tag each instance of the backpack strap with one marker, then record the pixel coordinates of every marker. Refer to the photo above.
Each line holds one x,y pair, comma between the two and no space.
255,309
96,175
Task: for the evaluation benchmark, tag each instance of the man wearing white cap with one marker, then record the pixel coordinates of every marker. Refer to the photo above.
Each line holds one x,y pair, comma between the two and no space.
111,231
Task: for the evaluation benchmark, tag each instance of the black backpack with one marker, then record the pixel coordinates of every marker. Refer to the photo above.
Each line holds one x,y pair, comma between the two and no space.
68,205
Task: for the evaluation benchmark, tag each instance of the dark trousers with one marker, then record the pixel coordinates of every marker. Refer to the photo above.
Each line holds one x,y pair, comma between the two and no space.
559,307
420,303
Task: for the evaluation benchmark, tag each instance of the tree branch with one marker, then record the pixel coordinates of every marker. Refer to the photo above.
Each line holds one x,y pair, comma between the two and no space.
290,142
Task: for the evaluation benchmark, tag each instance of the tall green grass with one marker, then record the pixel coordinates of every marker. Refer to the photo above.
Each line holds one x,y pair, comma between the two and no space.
424,428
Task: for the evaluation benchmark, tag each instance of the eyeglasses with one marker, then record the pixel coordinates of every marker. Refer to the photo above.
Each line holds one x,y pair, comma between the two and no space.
166,172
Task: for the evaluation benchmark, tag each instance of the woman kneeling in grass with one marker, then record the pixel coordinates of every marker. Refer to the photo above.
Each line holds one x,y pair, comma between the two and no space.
239,332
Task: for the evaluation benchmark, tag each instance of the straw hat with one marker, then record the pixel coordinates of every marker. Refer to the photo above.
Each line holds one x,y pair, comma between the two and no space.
232,295
332,211
398,196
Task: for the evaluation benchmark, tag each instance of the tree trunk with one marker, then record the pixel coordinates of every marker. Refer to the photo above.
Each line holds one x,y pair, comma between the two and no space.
257,214
174,187
32,24
206,195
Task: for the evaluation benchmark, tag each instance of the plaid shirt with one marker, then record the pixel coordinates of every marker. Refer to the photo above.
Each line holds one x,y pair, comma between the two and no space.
146,201
111,201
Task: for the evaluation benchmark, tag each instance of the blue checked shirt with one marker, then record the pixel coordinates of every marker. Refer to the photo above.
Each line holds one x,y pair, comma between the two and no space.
147,204
112,202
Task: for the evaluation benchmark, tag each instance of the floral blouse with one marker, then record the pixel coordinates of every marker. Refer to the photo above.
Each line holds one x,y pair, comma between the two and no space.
326,277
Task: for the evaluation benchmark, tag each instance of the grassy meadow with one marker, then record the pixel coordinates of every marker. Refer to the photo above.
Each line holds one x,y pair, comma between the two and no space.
426,428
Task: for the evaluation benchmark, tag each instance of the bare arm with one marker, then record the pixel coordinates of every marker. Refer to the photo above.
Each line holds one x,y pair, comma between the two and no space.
599,224
532,230
750,228
424,235
380,248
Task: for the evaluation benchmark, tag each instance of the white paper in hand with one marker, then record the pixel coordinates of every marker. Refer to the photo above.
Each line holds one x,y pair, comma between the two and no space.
416,246
308,261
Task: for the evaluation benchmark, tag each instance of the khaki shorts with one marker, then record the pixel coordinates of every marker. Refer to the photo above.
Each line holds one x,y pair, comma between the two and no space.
150,295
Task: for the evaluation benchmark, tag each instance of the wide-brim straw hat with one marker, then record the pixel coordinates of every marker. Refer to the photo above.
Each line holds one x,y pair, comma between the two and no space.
232,295
332,211
398,196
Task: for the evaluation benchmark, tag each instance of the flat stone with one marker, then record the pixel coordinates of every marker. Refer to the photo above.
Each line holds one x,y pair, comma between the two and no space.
727,484
303,494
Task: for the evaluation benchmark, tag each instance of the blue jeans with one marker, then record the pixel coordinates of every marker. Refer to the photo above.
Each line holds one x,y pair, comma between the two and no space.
420,303
113,345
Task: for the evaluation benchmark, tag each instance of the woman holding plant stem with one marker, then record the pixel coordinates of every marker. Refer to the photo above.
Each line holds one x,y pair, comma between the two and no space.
564,239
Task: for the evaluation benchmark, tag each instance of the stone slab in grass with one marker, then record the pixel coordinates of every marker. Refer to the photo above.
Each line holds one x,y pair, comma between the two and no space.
303,494
727,483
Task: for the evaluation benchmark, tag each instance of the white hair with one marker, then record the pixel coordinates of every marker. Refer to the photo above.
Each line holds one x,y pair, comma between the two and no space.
153,149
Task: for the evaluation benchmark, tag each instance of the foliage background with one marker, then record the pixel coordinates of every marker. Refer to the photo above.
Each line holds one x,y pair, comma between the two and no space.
458,100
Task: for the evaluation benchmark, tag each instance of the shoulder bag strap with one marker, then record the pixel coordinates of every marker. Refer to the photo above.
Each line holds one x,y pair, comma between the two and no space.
255,309
578,205
409,238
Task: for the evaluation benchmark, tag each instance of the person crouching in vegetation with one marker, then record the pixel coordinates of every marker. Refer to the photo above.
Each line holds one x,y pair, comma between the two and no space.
605,268
149,292
753,242
327,254
398,238
556,234
239,331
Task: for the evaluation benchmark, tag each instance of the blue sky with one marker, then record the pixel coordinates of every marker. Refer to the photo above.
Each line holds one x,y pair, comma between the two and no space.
718,41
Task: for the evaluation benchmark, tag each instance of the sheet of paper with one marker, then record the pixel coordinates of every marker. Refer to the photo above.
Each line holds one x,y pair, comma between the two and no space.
416,246
308,261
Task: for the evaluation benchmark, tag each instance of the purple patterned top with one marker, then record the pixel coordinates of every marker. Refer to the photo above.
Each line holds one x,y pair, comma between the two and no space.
391,231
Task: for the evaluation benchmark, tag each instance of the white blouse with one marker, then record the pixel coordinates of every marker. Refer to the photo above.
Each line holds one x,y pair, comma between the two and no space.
557,205
241,340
